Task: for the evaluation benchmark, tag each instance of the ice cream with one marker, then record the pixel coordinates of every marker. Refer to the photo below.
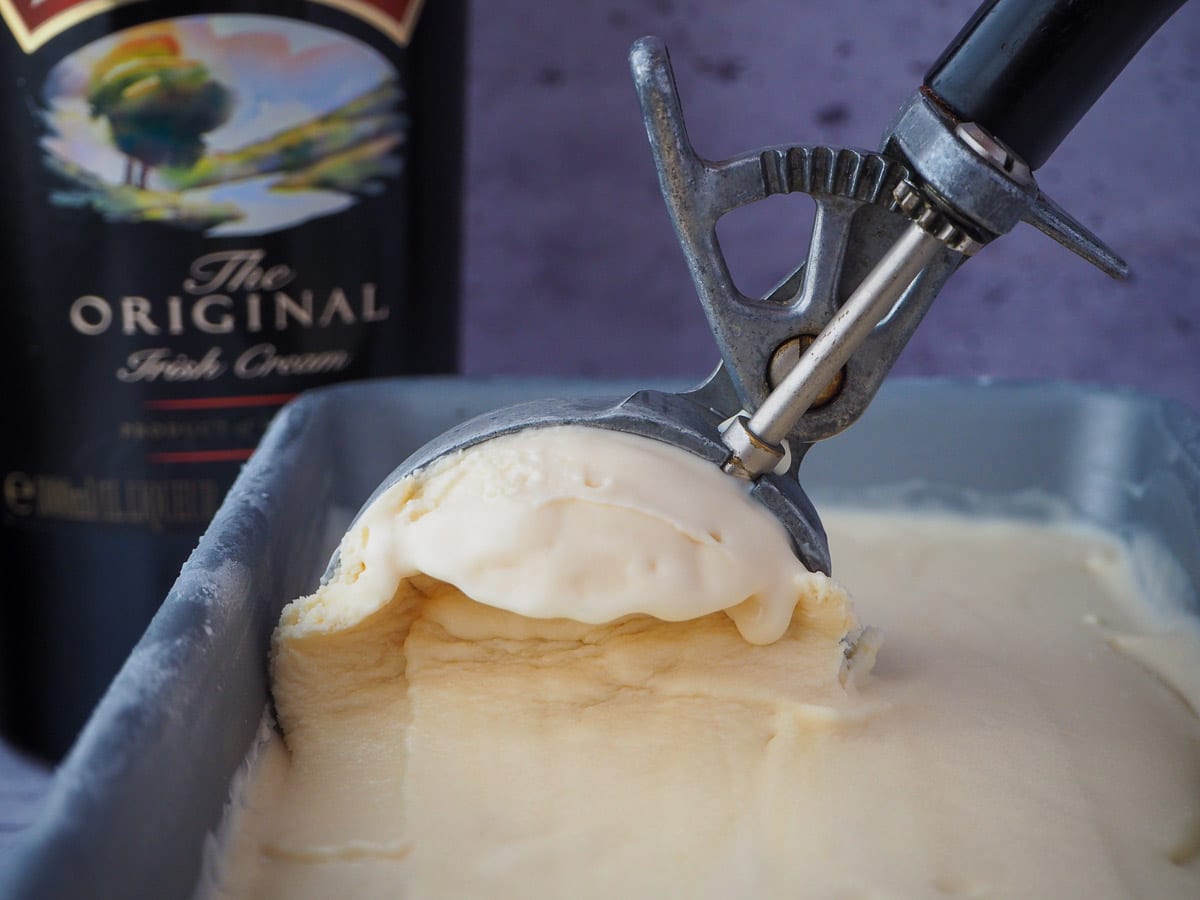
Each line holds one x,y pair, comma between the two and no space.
578,663
577,523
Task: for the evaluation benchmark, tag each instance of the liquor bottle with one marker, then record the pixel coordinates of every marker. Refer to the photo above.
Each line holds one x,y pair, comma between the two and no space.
207,209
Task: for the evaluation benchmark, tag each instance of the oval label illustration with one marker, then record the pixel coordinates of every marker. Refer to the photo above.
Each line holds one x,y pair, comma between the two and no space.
224,124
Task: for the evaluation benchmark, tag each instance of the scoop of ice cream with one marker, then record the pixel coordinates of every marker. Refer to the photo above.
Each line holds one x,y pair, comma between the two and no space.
577,523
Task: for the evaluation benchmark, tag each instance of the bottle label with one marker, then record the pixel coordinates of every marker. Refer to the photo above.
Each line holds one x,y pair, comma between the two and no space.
230,127
226,125
219,212
34,22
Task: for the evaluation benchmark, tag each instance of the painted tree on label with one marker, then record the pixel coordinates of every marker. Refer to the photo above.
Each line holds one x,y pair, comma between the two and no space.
159,106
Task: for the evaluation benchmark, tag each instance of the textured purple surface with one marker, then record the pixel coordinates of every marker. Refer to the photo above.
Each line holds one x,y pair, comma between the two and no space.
572,267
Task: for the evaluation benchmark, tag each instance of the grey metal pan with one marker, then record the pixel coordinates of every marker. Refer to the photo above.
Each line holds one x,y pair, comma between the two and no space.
146,783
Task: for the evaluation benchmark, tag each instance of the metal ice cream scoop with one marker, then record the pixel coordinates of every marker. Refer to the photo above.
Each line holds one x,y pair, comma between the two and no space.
802,364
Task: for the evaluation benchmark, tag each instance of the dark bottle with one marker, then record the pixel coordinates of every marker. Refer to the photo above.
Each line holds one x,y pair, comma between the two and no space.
204,214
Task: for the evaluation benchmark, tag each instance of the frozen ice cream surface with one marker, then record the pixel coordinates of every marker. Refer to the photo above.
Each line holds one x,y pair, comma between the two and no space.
576,663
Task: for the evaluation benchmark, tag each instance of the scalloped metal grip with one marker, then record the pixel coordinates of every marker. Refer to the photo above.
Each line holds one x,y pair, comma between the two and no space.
982,188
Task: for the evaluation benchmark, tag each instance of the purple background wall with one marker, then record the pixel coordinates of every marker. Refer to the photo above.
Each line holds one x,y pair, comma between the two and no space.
572,267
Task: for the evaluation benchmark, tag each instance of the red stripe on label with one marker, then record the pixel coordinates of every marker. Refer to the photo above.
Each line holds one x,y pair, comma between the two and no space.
221,402
202,456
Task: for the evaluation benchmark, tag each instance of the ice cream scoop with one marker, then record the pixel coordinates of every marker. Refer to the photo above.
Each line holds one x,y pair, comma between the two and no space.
802,364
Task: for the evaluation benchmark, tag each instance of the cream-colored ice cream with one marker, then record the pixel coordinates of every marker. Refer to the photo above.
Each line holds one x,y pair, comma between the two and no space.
576,523
648,696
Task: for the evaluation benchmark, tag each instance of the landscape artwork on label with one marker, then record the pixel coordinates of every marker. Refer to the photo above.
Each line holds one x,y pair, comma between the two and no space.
226,125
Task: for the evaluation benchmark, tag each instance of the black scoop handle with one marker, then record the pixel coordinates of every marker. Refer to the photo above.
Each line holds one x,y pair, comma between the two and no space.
1028,70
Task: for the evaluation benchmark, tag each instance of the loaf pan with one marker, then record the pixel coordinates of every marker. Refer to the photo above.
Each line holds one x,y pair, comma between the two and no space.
135,803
